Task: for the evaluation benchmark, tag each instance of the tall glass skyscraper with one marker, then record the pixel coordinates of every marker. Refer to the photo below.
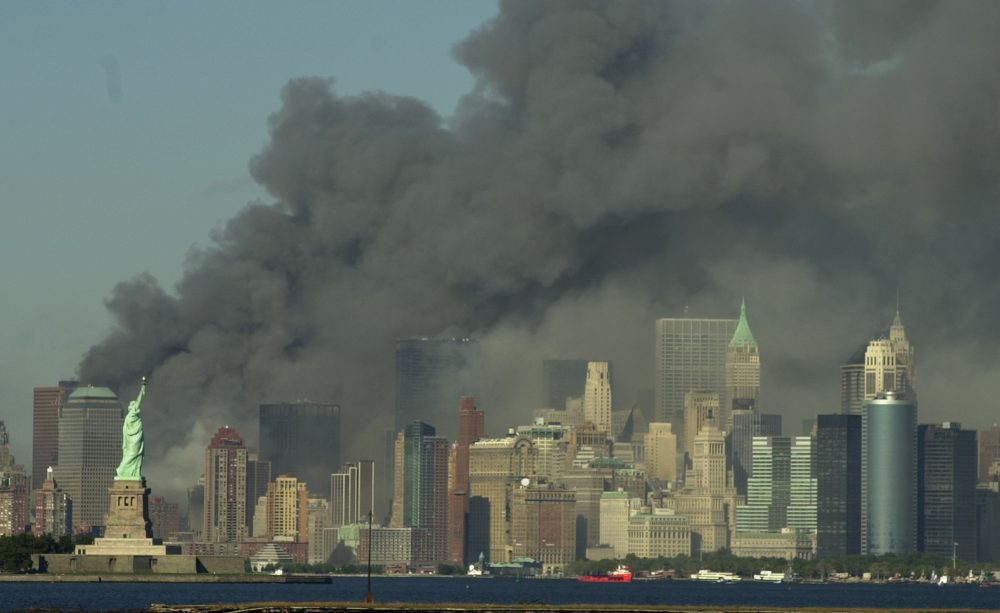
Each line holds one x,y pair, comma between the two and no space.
946,487
746,425
888,475
90,439
690,355
432,375
302,439
838,476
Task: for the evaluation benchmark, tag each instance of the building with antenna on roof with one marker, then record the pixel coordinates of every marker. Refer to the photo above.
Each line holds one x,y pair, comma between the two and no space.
742,370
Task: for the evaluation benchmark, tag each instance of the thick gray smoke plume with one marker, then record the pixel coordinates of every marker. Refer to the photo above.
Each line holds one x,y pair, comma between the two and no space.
616,162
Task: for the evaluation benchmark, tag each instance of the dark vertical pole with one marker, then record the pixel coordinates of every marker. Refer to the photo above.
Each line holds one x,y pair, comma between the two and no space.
369,598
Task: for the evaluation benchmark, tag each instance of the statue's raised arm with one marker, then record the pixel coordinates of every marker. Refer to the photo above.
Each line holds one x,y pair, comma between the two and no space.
133,447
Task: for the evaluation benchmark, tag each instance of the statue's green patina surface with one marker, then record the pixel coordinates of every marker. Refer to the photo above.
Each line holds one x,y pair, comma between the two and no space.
132,441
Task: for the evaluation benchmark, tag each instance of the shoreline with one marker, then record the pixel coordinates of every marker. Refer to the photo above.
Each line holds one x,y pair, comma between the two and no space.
164,578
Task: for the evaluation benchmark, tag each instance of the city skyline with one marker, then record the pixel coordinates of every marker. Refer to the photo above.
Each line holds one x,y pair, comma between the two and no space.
553,203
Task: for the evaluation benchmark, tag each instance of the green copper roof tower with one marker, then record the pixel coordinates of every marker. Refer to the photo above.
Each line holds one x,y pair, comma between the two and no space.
743,335
742,371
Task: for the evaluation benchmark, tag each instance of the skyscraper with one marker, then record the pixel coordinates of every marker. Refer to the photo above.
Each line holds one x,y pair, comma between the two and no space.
431,373
495,466
747,423
45,426
53,510
946,490
258,476
423,484
803,485
742,369
597,396
302,439
543,523
90,437
690,355
661,453
288,509
769,486
888,475
708,495
699,405
889,364
989,454
14,485
471,428
852,382
838,476
352,493
224,517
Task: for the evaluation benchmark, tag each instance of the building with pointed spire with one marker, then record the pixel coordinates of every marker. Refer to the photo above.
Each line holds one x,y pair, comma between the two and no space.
883,364
742,369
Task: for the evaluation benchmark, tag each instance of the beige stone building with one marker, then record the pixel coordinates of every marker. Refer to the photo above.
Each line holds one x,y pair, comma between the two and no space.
661,453
708,498
597,396
661,533
617,508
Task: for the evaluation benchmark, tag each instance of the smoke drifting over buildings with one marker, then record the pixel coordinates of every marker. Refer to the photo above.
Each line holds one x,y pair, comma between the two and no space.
615,163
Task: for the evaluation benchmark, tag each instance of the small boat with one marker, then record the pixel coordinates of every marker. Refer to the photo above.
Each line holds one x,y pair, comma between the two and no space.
767,575
716,576
622,574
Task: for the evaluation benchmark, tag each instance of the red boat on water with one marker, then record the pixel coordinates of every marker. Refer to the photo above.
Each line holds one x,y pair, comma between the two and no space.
622,574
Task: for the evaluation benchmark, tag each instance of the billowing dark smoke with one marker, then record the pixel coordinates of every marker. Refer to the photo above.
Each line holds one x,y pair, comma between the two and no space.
615,163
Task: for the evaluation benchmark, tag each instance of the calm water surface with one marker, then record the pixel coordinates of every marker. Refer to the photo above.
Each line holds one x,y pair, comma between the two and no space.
110,596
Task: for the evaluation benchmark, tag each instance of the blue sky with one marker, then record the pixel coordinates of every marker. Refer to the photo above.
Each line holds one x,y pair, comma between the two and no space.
125,133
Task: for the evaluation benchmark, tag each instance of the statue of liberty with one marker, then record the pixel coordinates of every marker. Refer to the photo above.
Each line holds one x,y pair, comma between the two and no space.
132,441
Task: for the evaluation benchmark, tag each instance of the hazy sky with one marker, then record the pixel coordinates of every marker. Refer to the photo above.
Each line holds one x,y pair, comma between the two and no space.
125,133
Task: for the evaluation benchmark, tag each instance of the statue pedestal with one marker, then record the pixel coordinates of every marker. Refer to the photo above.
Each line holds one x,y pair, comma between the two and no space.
127,529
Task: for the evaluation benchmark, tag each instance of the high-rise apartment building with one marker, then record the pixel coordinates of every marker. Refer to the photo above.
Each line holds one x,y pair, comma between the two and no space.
53,509
597,396
660,449
888,475
543,523
748,423
946,490
287,510
422,486
224,519
838,478
699,405
14,486
302,439
90,437
352,493
989,454
742,369
690,355
318,518
431,373
45,426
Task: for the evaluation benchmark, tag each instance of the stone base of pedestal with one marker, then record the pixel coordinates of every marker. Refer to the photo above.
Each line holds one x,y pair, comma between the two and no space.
128,512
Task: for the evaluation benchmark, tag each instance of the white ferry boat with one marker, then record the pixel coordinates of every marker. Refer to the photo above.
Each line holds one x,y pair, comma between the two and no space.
716,576
767,575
